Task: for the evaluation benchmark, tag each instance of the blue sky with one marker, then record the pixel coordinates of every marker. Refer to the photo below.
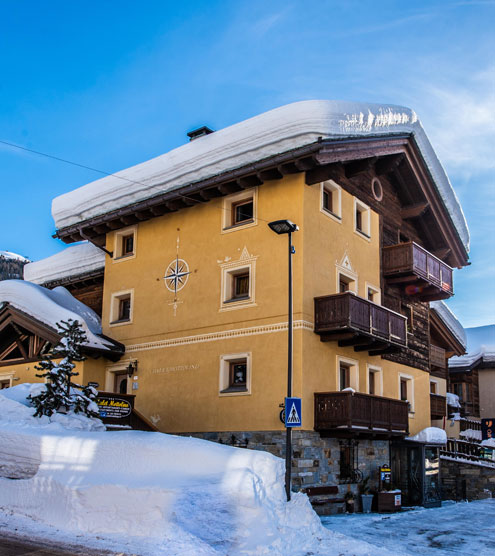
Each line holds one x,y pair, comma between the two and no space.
110,84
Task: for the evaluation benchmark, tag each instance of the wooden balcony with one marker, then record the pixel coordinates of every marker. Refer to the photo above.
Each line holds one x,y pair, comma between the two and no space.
353,321
424,276
438,406
344,413
437,357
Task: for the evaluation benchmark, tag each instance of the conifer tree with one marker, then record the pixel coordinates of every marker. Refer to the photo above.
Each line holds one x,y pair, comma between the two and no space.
60,394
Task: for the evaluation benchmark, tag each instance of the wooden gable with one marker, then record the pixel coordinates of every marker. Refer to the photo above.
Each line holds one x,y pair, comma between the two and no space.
22,338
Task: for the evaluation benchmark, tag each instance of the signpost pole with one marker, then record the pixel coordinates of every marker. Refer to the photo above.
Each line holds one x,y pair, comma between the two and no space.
288,441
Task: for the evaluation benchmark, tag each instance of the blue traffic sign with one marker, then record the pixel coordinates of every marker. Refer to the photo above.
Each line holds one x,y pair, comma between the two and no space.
293,417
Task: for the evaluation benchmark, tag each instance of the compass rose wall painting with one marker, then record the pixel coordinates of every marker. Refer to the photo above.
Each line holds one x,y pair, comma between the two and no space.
176,277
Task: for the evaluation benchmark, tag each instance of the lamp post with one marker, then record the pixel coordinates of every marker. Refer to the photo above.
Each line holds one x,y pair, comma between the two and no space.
288,227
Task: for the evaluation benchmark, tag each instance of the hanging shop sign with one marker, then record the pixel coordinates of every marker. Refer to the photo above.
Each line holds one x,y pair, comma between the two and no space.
487,429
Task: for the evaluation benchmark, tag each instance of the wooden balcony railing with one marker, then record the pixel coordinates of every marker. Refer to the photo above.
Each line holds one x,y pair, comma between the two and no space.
424,276
437,357
354,321
438,406
360,414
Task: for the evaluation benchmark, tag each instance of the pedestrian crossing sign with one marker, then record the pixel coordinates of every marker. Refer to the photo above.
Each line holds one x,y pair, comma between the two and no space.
293,416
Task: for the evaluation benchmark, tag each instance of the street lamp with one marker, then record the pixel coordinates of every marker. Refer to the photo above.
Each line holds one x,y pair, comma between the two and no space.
288,227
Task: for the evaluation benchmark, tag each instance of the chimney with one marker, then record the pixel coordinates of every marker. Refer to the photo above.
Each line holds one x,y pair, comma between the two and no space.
197,133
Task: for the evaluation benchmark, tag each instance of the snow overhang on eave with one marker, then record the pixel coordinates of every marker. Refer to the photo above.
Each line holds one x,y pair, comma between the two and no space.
326,133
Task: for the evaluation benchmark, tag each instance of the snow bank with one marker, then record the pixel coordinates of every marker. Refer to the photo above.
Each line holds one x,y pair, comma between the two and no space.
430,435
453,400
187,495
53,306
13,256
75,260
277,131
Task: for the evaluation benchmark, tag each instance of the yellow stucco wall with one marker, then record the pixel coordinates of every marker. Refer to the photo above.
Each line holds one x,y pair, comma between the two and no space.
178,349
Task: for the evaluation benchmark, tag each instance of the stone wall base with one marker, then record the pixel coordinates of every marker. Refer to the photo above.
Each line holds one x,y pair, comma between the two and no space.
465,481
315,461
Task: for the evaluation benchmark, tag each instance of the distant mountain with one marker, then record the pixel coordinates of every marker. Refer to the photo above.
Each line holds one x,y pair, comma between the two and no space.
11,265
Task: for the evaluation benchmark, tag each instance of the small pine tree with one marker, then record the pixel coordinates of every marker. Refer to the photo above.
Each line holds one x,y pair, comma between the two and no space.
60,394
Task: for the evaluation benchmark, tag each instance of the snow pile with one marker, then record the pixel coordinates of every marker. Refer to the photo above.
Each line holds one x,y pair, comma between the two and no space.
453,400
13,256
488,443
450,320
471,434
75,260
188,496
430,435
53,306
274,132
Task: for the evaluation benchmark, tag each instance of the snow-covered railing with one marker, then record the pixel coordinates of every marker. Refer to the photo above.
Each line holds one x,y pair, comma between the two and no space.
467,452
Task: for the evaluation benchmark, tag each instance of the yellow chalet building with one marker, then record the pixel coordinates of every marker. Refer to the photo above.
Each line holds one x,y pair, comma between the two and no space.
196,284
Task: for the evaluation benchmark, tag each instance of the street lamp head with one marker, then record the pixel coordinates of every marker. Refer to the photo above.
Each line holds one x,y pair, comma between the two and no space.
283,226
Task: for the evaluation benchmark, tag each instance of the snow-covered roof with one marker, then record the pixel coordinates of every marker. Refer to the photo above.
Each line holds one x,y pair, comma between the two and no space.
430,435
271,133
450,321
52,306
480,348
75,260
13,256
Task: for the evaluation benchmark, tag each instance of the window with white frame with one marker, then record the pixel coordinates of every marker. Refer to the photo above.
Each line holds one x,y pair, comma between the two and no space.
238,282
125,244
348,373
362,218
373,294
346,282
375,380
239,210
121,307
235,374
433,387
331,199
406,390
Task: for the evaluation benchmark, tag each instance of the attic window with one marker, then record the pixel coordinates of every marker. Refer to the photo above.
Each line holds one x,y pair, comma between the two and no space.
200,132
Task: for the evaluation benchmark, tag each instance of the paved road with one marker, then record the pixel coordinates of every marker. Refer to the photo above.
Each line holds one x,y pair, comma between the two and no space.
12,546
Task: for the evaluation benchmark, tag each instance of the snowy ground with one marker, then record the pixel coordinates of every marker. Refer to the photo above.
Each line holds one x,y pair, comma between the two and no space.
467,528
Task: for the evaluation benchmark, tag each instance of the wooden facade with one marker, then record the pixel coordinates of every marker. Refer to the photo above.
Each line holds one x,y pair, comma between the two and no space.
438,406
360,414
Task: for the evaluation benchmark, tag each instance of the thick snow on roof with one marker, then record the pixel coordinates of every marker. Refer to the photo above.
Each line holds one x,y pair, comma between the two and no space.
13,256
75,260
277,131
450,320
53,306
480,345
430,435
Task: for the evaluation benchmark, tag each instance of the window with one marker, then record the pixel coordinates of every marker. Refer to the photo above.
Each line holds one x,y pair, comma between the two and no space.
346,283
238,282
348,463
406,390
235,374
121,308
344,375
4,384
433,387
239,210
375,384
348,374
457,387
377,189
242,212
331,200
373,294
362,215
408,312
125,243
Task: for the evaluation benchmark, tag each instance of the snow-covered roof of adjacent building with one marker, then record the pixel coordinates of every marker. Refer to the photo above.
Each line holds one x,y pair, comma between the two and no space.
13,256
480,348
277,131
430,435
450,321
76,260
52,306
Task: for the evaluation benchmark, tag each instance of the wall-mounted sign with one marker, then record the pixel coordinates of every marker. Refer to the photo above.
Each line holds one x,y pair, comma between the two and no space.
114,408
487,429
293,412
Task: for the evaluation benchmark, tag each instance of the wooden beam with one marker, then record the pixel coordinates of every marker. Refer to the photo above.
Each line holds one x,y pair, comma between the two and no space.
442,253
102,229
414,211
249,181
304,164
158,210
323,173
211,193
174,206
21,348
359,166
228,188
270,174
387,164
129,219
114,224
288,168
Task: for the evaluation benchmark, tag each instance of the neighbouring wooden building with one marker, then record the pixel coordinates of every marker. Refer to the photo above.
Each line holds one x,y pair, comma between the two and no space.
195,283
